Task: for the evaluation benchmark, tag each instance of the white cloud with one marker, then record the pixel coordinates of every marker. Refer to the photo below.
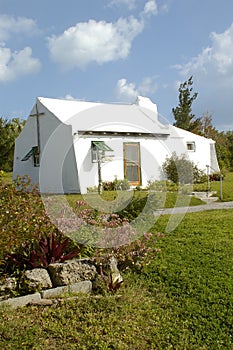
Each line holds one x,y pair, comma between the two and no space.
128,92
129,3
93,41
15,64
148,86
10,25
150,8
215,60
212,70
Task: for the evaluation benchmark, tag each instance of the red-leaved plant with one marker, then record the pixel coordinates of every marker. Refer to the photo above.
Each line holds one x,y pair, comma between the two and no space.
49,249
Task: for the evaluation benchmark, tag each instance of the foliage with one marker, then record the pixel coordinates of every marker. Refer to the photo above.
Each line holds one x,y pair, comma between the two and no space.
181,170
115,185
22,215
229,139
30,240
108,186
216,177
25,228
48,249
133,256
134,208
183,116
108,282
162,185
203,126
9,130
183,300
92,189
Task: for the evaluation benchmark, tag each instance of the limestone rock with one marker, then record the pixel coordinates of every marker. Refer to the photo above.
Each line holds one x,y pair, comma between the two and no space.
72,271
21,301
115,273
37,279
80,287
7,285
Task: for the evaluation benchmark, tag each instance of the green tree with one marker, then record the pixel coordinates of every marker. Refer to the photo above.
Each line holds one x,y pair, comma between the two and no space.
223,141
181,170
184,118
9,130
229,139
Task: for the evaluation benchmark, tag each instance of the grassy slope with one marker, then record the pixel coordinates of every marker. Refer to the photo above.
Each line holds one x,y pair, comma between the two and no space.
227,187
182,300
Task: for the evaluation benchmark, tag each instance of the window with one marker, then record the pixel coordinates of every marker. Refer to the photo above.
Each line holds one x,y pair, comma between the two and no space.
132,166
34,153
191,146
98,149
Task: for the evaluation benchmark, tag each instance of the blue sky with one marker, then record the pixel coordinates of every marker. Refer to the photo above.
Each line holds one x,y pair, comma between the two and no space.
114,50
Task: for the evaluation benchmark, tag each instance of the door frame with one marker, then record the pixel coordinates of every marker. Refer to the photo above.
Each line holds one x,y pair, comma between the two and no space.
138,165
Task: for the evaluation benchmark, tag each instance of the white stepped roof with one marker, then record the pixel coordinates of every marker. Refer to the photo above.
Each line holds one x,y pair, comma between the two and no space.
82,115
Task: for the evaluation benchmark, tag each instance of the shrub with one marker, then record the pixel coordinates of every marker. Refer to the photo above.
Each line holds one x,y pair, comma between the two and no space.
2,173
133,256
162,186
121,184
108,186
116,185
28,238
46,250
137,204
92,189
22,215
215,177
181,170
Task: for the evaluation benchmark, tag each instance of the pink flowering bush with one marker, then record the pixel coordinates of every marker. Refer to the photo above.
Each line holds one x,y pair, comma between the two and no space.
134,254
35,232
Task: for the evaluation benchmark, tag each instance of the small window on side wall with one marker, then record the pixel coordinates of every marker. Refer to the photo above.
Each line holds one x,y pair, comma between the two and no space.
191,146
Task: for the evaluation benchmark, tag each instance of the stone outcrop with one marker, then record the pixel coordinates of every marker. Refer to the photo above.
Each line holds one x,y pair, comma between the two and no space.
21,301
7,286
46,297
73,276
72,271
80,287
37,279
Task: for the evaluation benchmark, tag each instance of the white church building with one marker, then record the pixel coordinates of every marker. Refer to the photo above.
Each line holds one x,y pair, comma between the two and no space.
65,144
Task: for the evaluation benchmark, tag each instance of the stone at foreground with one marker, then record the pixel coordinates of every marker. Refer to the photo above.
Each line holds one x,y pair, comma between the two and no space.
72,271
8,285
80,287
38,279
42,302
21,301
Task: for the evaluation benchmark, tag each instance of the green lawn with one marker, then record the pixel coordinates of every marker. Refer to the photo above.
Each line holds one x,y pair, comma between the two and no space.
227,187
182,300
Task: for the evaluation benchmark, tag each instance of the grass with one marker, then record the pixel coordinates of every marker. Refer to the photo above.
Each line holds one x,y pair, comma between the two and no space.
227,187
227,191
182,300
164,200
7,177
